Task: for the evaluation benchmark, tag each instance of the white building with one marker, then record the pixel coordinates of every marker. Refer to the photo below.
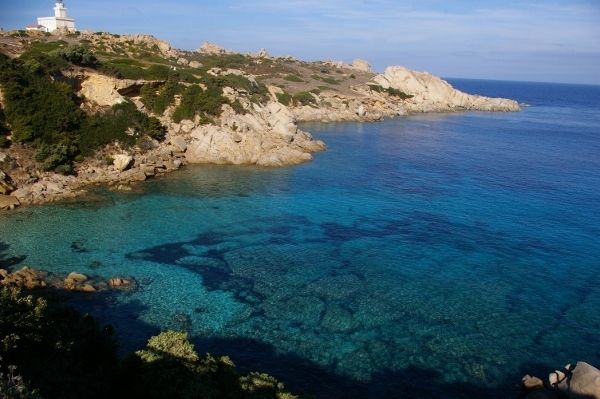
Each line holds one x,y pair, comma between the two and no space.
60,20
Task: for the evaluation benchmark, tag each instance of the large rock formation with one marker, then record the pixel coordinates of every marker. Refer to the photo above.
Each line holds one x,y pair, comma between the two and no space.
265,136
432,94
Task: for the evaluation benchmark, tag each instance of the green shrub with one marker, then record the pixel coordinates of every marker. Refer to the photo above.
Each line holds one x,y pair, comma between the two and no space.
170,343
157,100
258,91
196,101
126,68
78,55
239,108
284,98
391,91
293,78
122,123
304,98
37,108
330,80
57,156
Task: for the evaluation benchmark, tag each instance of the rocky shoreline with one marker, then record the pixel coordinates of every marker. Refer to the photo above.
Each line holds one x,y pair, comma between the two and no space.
28,278
263,134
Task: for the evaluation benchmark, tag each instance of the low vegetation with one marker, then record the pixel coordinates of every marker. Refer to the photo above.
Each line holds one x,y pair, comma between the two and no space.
301,98
158,99
42,110
50,351
391,91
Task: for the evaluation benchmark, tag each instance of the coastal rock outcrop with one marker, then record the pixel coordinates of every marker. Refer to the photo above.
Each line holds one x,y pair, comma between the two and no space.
267,136
430,93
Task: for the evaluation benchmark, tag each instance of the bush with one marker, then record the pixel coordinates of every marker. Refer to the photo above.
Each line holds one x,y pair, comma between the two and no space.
304,98
122,123
40,111
56,156
196,101
284,98
78,55
126,68
330,80
157,100
170,343
293,78
391,91
258,92
239,108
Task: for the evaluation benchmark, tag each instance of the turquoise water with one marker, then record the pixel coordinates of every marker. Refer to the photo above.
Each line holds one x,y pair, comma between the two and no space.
428,256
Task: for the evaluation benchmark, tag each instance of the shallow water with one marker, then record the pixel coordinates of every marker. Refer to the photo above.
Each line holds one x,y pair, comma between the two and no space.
434,255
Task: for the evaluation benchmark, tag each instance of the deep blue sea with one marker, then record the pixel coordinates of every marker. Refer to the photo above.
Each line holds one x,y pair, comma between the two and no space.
440,255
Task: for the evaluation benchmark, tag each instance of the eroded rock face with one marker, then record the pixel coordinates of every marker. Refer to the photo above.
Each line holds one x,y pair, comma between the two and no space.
431,93
103,90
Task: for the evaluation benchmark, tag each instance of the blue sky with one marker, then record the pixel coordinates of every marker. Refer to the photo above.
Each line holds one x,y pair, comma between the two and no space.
551,40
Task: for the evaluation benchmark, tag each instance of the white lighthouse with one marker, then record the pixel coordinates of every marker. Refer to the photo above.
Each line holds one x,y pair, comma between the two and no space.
60,20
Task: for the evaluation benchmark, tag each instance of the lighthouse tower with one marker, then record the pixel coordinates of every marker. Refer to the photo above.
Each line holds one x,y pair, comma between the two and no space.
60,20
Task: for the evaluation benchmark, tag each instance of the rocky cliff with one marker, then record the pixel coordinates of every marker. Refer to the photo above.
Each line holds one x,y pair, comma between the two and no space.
263,99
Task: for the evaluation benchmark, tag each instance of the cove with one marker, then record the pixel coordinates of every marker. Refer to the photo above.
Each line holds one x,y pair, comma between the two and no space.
446,253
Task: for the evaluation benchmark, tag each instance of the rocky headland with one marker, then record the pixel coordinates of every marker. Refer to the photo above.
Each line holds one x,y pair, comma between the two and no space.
256,123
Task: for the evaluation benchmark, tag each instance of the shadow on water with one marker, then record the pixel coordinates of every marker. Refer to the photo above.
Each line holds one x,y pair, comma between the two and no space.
300,375
7,260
